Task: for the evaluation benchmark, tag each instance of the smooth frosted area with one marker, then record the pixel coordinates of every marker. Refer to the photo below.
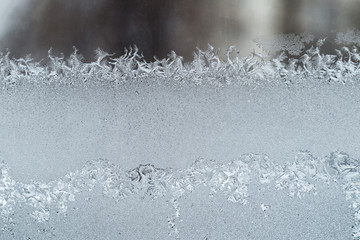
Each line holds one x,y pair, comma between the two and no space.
49,131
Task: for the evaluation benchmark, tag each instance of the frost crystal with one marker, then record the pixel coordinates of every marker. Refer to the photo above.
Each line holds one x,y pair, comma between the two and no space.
297,58
231,180
290,59
351,36
291,43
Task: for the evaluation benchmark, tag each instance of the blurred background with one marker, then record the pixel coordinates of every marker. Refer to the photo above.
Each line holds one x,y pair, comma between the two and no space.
159,26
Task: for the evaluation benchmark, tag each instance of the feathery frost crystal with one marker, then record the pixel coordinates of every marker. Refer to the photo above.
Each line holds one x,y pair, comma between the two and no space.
288,59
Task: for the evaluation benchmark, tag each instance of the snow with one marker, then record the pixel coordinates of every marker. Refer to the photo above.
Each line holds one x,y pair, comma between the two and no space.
240,148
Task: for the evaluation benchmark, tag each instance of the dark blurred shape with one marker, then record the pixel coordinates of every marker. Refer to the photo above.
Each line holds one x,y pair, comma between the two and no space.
159,26
111,25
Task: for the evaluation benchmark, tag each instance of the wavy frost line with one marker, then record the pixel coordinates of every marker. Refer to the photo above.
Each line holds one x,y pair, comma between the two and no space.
231,180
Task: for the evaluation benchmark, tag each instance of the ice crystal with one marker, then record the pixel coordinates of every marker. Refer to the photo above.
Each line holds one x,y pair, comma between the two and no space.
351,36
299,59
290,43
231,180
291,59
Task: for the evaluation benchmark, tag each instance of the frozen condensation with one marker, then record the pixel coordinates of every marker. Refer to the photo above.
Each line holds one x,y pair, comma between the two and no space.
290,43
351,36
230,180
298,59
287,63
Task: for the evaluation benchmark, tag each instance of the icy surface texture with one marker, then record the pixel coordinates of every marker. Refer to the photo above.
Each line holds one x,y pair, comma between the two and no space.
351,36
291,43
287,58
147,181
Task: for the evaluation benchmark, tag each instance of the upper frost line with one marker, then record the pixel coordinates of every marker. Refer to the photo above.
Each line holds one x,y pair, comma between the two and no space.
207,67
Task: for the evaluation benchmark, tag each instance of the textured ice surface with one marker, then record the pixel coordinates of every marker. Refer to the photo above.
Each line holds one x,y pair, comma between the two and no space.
143,136
232,181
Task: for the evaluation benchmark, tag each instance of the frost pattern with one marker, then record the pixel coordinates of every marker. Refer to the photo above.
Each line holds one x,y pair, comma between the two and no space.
351,36
298,59
290,43
293,59
230,180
